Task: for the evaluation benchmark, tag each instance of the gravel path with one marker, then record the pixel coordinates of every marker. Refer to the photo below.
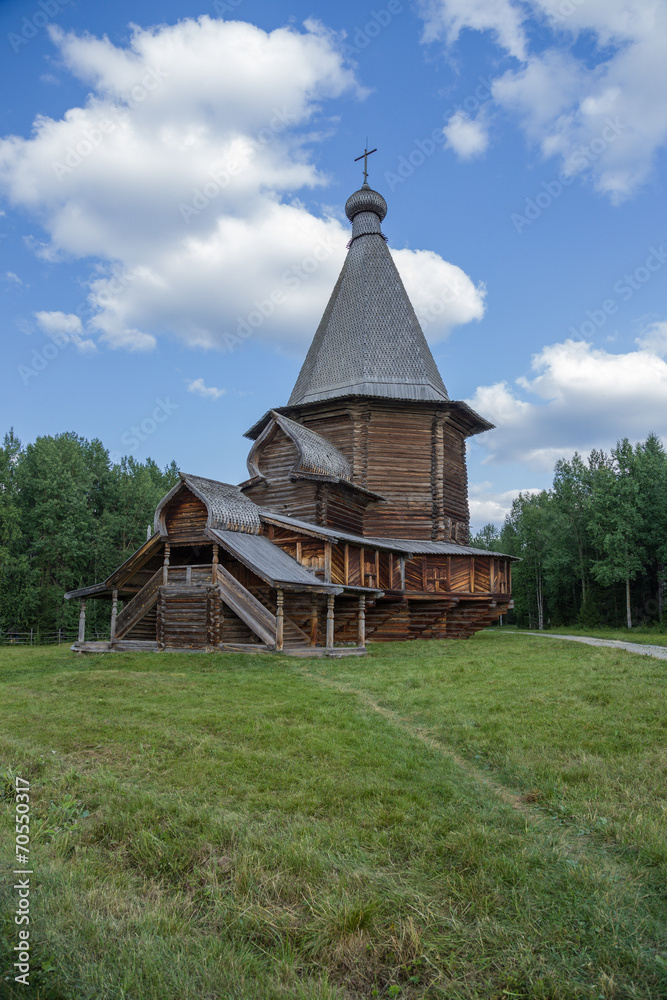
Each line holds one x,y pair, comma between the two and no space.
632,647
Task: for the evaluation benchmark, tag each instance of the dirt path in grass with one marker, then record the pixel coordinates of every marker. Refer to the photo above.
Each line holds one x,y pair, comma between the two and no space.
571,845
425,736
632,647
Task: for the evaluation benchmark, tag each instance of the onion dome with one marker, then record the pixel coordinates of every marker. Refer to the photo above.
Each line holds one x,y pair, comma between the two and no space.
365,200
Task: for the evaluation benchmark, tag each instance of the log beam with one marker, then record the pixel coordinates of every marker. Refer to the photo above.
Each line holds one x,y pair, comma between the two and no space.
82,621
330,621
314,624
361,622
114,615
280,619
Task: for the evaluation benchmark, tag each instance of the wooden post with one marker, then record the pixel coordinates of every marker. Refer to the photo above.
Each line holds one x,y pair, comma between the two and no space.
327,562
361,622
347,565
314,624
330,621
165,564
82,622
402,566
114,615
472,574
214,564
280,619
377,567
362,567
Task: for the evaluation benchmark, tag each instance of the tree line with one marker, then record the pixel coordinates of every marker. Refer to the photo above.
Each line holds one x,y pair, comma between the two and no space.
68,518
594,546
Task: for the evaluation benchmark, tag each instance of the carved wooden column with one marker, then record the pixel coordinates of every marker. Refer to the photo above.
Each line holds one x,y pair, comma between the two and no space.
314,624
165,565
114,615
438,476
280,619
330,621
82,622
214,565
361,622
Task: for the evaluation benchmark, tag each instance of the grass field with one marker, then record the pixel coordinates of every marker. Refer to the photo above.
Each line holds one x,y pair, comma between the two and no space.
481,819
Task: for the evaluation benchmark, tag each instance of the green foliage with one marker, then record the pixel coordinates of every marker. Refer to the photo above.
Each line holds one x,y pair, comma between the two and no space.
68,517
487,537
589,612
594,547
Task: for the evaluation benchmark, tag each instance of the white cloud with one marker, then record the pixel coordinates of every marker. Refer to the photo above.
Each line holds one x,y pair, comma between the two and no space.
178,180
447,18
467,138
197,386
565,103
488,506
14,278
64,328
442,294
654,339
582,398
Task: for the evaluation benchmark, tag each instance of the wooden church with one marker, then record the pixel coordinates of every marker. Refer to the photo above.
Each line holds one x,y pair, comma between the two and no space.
353,523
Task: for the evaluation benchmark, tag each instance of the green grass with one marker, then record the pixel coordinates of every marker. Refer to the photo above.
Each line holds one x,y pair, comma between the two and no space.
480,819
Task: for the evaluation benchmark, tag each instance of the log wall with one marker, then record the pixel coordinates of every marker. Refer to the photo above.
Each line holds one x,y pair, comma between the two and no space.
185,518
413,455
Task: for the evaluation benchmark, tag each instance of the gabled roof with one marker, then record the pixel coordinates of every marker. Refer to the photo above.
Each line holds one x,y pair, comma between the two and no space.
114,582
316,455
227,506
369,341
270,563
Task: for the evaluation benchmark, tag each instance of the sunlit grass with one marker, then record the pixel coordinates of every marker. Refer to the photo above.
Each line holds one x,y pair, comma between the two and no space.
480,819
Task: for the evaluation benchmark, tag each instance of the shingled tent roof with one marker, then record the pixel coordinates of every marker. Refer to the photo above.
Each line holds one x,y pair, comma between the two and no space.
369,341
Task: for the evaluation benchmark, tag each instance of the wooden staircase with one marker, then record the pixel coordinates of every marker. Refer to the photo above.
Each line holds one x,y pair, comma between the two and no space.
246,606
141,605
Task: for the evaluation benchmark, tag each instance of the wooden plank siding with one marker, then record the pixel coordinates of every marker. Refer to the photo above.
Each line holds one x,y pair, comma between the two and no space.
185,518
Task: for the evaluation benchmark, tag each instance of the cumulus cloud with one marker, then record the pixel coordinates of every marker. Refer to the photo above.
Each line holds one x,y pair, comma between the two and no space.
654,339
582,398
64,328
178,180
199,388
489,506
566,103
466,137
449,17
442,294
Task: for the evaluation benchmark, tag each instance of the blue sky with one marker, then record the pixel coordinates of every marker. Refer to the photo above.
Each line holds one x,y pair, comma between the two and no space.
172,182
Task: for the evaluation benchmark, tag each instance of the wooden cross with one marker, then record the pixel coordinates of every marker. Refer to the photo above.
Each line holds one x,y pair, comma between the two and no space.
364,156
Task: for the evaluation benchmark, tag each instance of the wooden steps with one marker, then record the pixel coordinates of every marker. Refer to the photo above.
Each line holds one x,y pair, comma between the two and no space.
244,604
138,607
